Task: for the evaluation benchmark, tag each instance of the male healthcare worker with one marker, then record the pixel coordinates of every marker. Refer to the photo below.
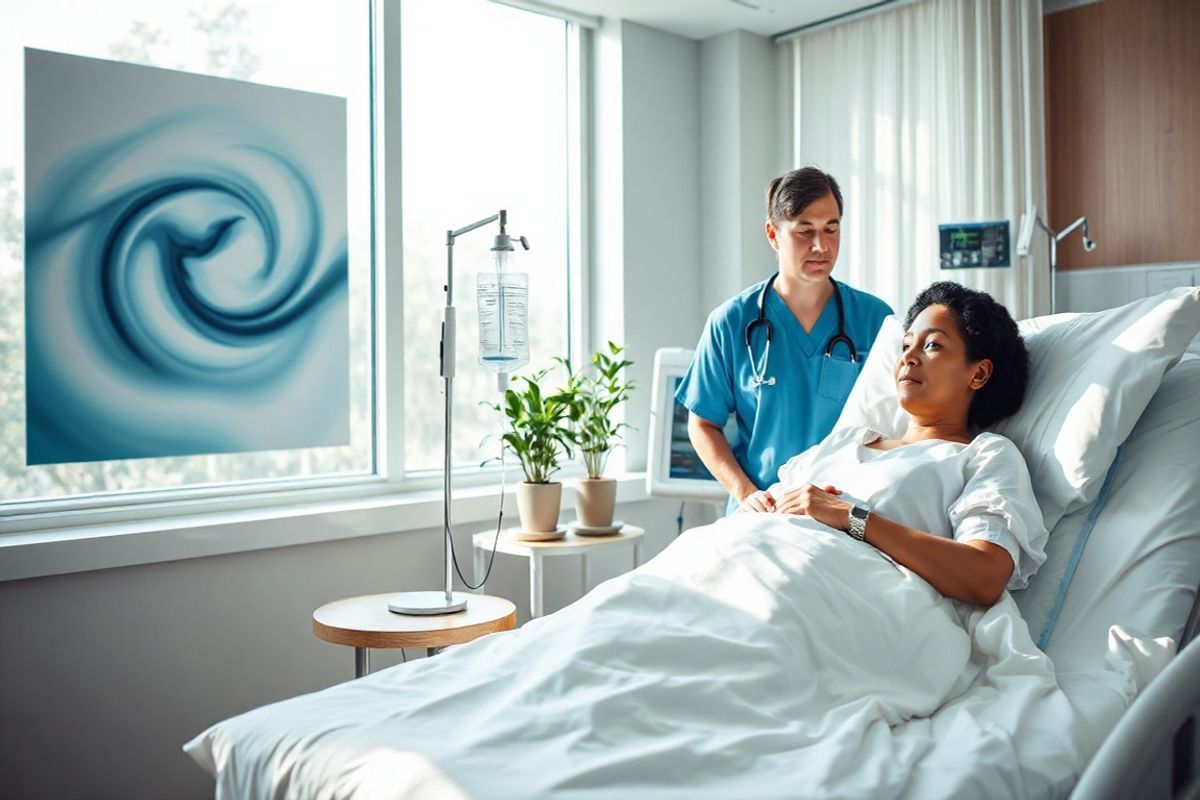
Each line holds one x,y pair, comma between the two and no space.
783,355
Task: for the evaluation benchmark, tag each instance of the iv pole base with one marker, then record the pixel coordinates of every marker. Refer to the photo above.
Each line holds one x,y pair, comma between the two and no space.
427,603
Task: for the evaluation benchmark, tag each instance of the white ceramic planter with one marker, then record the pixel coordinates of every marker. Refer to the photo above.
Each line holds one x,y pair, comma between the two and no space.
595,501
538,505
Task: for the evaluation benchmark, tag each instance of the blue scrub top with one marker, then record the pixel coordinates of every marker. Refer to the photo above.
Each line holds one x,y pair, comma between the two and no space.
776,422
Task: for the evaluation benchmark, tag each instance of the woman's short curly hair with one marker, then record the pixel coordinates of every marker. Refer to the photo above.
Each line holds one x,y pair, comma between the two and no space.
990,332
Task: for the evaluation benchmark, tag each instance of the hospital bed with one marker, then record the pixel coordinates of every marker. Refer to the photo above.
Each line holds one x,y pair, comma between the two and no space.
1118,591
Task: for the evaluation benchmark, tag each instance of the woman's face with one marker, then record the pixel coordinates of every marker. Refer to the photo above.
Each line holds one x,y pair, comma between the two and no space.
934,377
808,244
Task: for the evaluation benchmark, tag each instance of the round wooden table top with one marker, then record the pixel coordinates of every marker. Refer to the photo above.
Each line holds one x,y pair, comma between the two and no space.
365,621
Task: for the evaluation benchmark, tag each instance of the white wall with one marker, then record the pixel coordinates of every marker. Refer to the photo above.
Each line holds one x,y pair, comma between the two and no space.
646,179
758,143
1108,287
720,181
104,675
687,137
740,150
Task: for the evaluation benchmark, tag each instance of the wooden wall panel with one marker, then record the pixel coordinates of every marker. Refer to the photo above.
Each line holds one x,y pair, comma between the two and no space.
1123,130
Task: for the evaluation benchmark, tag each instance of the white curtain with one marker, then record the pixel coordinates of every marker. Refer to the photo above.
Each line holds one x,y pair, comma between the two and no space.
927,114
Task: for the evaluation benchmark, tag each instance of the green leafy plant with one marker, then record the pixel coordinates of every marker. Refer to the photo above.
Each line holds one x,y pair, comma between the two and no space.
594,398
540,429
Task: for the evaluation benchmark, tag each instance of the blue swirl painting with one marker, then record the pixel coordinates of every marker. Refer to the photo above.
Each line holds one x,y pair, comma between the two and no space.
185,264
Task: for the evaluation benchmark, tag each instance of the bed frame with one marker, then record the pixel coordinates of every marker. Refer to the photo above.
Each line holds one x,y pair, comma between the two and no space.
1164,712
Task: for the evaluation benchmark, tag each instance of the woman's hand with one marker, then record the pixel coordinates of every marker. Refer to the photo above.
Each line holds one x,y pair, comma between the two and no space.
819,503
759,501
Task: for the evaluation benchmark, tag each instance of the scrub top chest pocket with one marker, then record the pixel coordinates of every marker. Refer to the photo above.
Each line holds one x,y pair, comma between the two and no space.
840,366
838,374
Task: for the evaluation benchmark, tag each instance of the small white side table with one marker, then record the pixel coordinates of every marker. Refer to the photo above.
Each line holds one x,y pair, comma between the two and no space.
571,545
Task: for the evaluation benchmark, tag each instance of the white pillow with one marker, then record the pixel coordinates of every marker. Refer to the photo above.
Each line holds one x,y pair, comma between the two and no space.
1140,563
872,401
1091,375
1090,378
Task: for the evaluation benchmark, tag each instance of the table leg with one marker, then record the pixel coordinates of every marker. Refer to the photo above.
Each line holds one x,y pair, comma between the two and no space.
585,579
480,567
637,554
362,661
535,585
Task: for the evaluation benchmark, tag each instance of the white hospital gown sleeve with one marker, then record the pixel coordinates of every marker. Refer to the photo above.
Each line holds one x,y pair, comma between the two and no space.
997,505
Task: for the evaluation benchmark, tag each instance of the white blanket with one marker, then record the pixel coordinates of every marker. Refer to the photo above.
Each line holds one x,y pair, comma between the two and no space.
762,656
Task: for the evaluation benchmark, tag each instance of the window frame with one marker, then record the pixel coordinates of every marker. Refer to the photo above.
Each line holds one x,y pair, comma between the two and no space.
166,508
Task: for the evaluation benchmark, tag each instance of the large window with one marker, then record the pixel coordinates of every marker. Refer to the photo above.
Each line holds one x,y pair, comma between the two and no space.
485,109
487,96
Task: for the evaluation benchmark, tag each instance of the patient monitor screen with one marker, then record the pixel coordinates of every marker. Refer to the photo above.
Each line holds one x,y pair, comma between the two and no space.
673,467
967,245
684,461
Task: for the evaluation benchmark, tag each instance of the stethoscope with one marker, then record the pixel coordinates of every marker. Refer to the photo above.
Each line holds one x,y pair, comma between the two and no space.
759,376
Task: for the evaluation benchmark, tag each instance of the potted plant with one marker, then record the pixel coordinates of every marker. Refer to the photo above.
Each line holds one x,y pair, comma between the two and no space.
539,435
595,398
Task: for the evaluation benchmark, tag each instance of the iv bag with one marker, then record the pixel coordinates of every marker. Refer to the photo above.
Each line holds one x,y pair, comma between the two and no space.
503,320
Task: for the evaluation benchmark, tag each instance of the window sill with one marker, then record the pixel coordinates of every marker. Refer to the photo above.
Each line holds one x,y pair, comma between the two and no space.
173,538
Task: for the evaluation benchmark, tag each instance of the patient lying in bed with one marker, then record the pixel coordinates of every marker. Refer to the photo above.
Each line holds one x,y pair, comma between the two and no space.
954,506
766,655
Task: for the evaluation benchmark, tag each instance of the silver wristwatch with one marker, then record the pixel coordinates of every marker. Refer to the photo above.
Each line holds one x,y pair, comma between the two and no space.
858,521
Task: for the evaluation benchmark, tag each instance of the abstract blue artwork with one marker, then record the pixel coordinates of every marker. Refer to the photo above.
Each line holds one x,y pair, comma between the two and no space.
185,264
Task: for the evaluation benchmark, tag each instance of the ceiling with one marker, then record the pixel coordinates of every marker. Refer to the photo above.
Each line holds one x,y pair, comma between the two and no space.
700,19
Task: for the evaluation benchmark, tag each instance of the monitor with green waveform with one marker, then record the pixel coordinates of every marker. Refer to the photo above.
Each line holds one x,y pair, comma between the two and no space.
968,245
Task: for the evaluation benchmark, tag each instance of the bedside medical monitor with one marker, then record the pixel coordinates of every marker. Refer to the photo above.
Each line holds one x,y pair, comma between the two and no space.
674,468
970,245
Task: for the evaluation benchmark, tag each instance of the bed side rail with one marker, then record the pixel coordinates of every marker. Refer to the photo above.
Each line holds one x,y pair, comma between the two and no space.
1160,717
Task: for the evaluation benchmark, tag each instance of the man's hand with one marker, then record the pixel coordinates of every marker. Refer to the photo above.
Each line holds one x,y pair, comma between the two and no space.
819,503
759,501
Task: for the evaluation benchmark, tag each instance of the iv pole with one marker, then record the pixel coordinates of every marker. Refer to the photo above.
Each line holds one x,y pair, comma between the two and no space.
447,601
1024,239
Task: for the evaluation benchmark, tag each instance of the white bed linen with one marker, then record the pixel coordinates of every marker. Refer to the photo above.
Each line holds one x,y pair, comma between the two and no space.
725,667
